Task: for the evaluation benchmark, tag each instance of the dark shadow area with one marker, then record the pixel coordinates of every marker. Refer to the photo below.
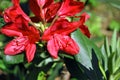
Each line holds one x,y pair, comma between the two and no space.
80,72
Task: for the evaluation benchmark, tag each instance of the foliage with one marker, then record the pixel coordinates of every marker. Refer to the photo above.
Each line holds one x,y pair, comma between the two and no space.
111,58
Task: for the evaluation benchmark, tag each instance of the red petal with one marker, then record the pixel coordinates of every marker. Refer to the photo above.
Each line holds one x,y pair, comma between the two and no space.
37,5
44,3
34,35
84,18
70,8
15,2
67,44
14,11
11,30
34,6
16,46
53,48
52,11
30,51
85,30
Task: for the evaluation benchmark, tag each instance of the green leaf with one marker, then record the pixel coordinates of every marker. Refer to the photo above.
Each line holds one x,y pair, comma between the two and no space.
1,22
41,76
111,63
84,66
54,72
117,64
117,76
102,70
118,46
2,65
13,59
105,58
46,61
107,48
86,45
80,72
114,41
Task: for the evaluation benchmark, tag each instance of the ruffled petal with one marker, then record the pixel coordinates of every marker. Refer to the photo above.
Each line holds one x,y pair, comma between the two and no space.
16,46
30,52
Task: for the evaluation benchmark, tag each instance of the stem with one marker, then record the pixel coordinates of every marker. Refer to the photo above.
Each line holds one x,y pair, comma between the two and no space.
33,25
54,20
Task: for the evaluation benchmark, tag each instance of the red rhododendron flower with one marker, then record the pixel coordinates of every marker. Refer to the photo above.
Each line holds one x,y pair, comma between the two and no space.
47,12
12,12
26,36
62,42
57,36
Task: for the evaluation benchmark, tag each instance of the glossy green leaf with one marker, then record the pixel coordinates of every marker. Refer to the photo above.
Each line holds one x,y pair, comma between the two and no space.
86,45
13,59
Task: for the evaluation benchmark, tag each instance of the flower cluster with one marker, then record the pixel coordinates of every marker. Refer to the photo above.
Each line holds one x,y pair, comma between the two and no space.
56,35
